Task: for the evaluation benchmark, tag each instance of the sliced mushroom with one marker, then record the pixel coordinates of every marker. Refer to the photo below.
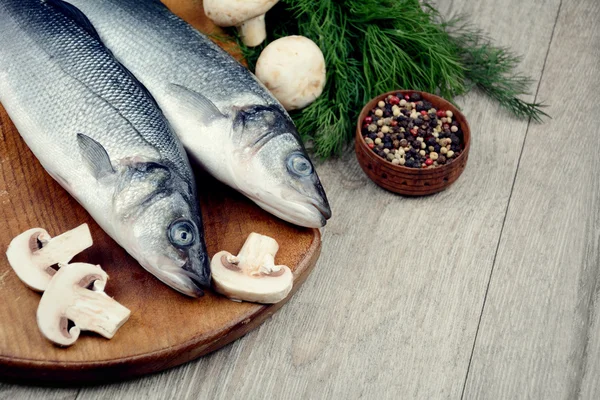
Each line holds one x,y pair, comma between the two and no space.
293,69
247,16
252,275
33,253
76,294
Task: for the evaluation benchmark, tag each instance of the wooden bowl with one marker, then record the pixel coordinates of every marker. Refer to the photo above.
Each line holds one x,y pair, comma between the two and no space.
411,181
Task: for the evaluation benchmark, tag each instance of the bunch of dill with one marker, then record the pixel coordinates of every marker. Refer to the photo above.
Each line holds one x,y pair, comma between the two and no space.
376,46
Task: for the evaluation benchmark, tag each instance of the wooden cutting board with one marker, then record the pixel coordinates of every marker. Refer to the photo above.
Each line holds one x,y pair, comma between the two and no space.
165,328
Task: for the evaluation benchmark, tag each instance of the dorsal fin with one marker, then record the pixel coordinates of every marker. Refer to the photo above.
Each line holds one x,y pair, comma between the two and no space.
74,14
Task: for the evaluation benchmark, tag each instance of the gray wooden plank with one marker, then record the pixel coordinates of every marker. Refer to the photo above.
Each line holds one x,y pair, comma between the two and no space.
539,335
389,312
19,392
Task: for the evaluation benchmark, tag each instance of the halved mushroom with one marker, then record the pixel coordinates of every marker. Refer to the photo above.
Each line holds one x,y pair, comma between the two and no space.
33,253
247,16
252,275
76,294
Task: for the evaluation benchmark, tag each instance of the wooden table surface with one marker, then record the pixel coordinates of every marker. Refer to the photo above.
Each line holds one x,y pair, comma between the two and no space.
489,290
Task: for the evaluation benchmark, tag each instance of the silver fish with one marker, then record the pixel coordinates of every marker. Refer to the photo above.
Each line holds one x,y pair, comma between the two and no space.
99,133
226,119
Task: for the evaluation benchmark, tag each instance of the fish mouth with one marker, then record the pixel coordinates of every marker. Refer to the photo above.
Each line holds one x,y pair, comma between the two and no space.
323,208
306,212
185,282
191,279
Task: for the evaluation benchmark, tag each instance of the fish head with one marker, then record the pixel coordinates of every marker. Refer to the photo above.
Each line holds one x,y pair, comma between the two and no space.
277,173
162,226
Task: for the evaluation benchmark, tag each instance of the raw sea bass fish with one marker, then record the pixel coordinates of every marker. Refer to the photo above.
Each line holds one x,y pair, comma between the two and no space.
97,131
227,120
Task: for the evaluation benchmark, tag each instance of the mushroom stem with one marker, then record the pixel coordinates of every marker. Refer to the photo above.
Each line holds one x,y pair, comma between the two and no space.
34,252
97,312
62,248
258,251
76,293
252,275
253,31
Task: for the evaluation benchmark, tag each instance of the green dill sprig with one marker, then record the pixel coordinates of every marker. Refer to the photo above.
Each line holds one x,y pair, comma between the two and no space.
376,46
492,69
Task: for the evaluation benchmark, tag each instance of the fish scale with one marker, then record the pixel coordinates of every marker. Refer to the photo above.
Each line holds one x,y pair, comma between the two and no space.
212,69
97,70
225,117
100,134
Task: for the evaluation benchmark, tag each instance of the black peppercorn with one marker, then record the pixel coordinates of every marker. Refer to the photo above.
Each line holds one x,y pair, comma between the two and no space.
412,138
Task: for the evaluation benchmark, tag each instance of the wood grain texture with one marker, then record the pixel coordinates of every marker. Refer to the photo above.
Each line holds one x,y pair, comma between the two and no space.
392,310
396,318
412,181
540,331
165,328
15,392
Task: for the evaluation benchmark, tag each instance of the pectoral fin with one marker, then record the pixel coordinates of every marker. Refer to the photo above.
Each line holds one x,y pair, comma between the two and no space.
195,103
95,156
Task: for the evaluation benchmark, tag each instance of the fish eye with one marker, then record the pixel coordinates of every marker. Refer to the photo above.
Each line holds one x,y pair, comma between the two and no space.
300,165
182,233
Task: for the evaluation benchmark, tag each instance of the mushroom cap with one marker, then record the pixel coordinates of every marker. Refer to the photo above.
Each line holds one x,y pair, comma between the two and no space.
61,294
32,263
19,254
238,285
293,69
76,294
234,12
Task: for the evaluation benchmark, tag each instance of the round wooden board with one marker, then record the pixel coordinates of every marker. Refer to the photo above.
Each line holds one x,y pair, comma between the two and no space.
165,328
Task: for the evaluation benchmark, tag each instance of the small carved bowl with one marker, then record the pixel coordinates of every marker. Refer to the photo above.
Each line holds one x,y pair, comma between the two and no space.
412,181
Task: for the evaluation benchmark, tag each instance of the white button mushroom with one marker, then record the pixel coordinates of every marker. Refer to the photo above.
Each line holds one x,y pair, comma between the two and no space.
33,253
293,69
76,294
252,275
247,16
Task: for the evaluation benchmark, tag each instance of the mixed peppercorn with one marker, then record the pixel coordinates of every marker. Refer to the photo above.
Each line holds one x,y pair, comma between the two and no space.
409,131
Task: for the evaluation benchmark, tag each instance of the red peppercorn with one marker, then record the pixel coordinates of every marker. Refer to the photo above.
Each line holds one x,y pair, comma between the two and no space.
423,112
429,161
394,100
371,145
441,113
407,97
368,120
394,123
